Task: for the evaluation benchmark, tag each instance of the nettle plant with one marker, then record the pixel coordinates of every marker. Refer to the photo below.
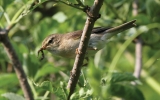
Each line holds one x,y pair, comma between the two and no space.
26,23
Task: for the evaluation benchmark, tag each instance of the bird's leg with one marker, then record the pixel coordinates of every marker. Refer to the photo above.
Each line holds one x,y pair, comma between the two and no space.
77,51
93,47
86,58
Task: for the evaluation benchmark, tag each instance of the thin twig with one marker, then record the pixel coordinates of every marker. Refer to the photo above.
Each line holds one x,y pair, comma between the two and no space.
138,46
16,65
23,12
138,55
79,6
93,13
11,52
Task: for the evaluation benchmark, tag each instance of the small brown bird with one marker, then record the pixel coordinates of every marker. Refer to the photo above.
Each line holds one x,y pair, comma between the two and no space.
65,45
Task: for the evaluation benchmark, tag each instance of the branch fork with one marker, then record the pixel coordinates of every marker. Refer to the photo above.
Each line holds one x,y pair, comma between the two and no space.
89,14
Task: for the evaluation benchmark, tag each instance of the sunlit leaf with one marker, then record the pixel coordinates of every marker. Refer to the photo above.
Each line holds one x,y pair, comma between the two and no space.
60,17
13,96
83,93
47,85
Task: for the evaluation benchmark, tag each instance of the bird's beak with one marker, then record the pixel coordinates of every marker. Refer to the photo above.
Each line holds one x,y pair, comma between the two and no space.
43,48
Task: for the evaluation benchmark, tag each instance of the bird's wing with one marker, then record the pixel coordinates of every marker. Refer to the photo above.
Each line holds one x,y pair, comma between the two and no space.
98,30
77,34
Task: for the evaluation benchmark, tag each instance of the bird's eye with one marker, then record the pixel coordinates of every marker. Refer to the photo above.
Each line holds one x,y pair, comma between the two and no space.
50,41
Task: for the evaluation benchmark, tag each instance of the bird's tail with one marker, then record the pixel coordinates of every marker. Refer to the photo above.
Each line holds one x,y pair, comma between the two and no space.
115,30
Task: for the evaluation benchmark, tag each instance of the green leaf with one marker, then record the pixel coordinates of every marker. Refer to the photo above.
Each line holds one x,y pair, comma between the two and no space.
152,7
142,19
119,77
78,95
43,29
6,3
47,85
60,92
16,48
13,96
63,86
23,48
1,14
128,92
47,69
10,80
151,37
81,94
32,63
75,96
3,55
94,77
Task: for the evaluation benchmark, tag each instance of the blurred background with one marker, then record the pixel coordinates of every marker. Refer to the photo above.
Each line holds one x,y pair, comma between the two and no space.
118,55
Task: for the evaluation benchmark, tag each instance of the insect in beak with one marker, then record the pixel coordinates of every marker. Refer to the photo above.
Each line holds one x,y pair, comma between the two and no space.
42,53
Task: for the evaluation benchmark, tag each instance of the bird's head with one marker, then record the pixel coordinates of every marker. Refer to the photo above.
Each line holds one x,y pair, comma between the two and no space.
50,43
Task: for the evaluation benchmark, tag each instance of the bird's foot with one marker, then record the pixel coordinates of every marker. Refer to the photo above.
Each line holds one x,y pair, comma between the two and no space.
77,51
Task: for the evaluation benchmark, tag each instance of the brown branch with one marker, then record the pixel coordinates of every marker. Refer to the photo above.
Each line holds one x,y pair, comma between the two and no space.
79,6
93,14
16,64
138,46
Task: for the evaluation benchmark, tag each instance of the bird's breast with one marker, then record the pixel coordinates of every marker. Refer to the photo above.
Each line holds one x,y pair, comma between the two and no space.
68,47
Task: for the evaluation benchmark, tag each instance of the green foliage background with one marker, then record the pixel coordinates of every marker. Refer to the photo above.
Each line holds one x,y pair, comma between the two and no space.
49,77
